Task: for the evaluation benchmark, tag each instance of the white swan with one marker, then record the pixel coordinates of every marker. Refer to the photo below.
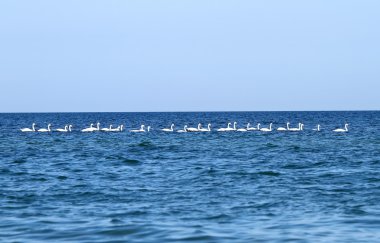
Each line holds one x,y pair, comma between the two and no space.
193,129
228,129
244,129
224,128
254,128
118,129
89,129
208,129
342,130
171,129
107,129
28,129
267,129
296,129
62,130
283,128
44,129
184,129
318,128
70,126
142,129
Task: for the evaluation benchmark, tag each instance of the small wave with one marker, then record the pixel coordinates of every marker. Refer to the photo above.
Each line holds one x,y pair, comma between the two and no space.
19,161
269,173
145,144
131,161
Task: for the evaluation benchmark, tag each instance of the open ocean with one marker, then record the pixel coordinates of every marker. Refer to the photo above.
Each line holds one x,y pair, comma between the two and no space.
204,187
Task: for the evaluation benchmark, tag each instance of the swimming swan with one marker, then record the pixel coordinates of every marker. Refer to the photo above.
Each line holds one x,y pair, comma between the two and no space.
296,129
171,129
118,129
142,129
243,129
184,129
254,128
318,128
283,128
193,129
208,129
90,129
44,129
342,130
267,129
28,129
62,130
107,129
224,129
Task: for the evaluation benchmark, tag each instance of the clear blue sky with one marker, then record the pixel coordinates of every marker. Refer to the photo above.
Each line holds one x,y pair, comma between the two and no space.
189,55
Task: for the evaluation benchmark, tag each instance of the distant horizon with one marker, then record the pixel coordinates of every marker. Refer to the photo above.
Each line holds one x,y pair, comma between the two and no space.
52,112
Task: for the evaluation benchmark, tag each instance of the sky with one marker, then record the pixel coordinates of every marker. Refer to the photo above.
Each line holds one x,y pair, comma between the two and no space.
189,55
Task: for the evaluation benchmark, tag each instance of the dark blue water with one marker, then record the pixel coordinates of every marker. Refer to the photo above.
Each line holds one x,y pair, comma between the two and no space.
203,187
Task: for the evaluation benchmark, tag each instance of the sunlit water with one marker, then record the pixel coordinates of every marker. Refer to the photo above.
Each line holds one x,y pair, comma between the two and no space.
206,187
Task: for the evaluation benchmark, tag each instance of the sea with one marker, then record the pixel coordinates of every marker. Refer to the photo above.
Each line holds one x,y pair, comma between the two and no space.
305,186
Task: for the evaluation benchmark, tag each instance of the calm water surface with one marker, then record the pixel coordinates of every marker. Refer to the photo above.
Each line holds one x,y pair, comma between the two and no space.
204,187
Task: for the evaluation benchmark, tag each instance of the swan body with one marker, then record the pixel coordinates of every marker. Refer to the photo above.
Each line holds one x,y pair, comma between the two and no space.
142,129
28,129
62,130
107,129
254,128
342,130
231,129
171,129
318,128
89,129
208,129
300,126
225,128
118,129
283,128
44,129
267,129
184,129
193,129
244,129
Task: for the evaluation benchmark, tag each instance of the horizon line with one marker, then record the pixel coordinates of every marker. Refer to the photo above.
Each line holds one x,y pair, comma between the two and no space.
52,112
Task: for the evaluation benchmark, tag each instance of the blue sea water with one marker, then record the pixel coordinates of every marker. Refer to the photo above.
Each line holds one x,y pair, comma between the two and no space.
203,187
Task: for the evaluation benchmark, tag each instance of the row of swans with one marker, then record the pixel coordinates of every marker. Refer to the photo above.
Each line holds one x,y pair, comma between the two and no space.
48,129
105,129
199,128
249,128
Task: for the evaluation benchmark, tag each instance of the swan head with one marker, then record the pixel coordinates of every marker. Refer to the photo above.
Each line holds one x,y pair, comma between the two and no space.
49,125
229,124
235,123
121,127
184,128
33,124
142,126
